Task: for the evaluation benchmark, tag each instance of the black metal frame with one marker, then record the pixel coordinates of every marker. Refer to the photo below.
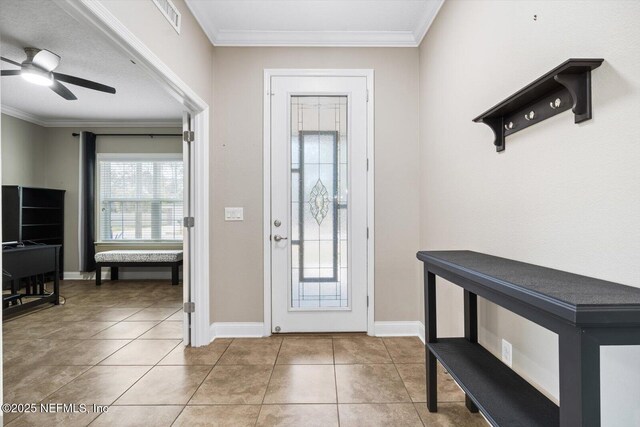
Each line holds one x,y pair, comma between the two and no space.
175,269
581,332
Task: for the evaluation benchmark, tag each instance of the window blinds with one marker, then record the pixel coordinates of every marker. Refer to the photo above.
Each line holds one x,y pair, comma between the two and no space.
140,198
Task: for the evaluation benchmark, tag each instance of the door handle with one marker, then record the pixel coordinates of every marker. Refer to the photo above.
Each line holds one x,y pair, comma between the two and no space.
278,237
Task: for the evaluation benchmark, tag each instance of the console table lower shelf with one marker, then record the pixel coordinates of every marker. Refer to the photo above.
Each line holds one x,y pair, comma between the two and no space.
504,397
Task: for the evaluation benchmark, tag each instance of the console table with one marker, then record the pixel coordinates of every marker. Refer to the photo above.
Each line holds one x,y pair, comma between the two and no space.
585,313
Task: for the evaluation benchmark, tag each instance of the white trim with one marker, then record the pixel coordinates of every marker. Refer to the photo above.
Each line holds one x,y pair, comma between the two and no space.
95,14
219,37
266,201
47,123
315,38
266,179
400,329
19,114
371,328
110,124
236,330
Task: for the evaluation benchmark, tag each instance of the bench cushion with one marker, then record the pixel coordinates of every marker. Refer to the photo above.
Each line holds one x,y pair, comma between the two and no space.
138,256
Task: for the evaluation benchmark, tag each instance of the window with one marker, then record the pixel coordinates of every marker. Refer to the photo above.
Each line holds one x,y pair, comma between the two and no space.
140,197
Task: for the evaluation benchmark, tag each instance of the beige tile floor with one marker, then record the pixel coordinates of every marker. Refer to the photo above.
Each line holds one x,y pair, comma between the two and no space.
120,346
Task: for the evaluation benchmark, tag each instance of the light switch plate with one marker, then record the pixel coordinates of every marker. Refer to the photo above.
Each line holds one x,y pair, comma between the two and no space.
234,214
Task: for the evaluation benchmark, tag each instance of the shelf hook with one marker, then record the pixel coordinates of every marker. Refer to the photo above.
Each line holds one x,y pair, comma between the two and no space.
530,115
508,126
555,104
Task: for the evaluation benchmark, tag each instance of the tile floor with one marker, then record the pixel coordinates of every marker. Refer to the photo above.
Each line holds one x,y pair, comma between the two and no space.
119,345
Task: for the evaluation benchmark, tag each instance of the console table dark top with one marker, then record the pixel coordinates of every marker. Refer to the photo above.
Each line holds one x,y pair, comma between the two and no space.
579,299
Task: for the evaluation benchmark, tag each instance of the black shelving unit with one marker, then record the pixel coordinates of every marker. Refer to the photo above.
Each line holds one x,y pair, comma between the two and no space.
33,215
568,86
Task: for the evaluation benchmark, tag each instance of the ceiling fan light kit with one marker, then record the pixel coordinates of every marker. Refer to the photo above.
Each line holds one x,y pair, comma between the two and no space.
36,76
38,69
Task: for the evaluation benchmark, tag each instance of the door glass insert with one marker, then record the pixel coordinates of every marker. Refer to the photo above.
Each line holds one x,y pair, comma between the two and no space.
319,203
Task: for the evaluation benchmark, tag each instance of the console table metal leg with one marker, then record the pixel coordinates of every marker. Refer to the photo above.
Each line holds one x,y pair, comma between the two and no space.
431,336
579,379
470,332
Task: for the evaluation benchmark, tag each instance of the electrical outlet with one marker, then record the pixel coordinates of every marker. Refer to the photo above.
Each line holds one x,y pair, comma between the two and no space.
507,352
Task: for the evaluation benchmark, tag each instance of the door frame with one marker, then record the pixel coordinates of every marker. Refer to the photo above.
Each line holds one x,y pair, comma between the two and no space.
266,179
97,16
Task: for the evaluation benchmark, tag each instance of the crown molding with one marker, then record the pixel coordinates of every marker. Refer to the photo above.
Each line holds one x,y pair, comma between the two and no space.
315,38
31,118
19,114
228,38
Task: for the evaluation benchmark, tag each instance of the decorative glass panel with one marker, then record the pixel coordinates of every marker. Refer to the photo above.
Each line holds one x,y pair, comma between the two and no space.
319,202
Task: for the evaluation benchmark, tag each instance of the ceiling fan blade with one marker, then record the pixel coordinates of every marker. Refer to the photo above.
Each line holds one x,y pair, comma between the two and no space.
84,83
46,60
10,61
10,72
62,90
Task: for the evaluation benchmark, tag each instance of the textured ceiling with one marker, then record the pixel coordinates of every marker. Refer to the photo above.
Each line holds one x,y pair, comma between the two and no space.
86,54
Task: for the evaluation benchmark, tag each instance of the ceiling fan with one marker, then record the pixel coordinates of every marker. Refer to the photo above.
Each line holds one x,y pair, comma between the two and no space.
38,69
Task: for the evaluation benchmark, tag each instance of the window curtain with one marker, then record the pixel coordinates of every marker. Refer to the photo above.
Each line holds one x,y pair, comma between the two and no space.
87,202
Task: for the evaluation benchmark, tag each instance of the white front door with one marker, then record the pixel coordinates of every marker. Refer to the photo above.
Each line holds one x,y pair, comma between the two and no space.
318,204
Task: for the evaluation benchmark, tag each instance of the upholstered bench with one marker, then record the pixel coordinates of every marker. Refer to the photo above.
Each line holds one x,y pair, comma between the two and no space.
138,258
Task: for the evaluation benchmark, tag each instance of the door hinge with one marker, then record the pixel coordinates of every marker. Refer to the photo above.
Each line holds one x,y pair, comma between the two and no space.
367,232
367,164
367,300
188,136
367,95
189,221
189,307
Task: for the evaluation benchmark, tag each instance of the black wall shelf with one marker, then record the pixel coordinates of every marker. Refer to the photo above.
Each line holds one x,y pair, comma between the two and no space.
566,86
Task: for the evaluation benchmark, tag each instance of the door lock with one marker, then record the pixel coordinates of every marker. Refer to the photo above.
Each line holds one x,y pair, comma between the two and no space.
278,237
277,223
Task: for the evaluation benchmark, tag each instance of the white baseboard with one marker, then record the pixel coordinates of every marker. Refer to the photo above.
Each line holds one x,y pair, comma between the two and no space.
236,330
256,329
129,274
400,329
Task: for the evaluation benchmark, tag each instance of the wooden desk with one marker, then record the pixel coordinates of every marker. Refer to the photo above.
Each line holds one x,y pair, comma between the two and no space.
30,264
585,313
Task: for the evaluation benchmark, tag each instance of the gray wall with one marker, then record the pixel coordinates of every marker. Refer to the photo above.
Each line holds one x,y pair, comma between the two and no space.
562,195
238,287
23,147
55,152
